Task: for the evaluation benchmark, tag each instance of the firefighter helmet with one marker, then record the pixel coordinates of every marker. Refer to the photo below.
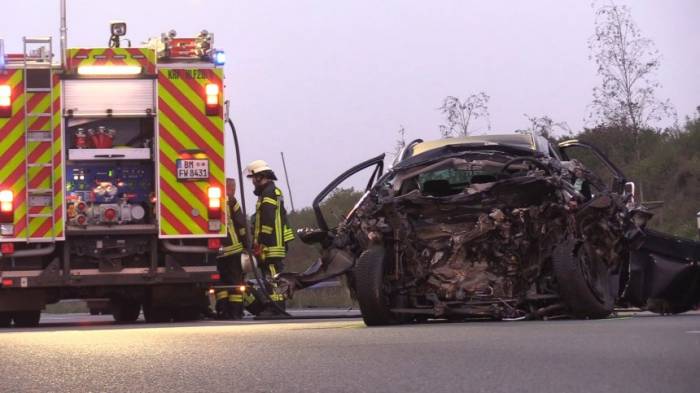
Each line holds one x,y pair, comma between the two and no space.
259,167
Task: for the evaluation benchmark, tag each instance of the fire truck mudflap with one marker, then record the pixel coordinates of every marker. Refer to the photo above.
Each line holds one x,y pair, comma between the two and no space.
112,179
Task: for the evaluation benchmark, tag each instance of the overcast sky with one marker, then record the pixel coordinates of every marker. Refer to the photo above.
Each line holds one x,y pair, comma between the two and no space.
330,82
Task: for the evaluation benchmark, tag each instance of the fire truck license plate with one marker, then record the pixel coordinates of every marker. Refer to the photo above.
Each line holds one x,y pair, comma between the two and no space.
192,169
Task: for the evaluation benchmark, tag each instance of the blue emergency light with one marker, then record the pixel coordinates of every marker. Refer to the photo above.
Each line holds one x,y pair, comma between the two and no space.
219,58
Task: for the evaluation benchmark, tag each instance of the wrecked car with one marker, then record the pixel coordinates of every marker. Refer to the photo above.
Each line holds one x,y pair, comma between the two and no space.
502,227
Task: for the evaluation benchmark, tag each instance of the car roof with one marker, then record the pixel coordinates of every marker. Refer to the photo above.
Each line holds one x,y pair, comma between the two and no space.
520,140
419,152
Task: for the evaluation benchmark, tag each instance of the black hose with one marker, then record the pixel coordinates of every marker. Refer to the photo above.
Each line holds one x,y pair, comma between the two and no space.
260,281
240,168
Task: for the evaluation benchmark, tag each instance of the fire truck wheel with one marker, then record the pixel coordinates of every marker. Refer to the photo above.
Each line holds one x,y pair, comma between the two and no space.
186,314
26,318
5,319
126,311
156,314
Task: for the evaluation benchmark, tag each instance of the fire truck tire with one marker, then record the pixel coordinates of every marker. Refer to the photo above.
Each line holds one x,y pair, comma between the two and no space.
28,318
186,314
255,308
156,314
5,319
126,312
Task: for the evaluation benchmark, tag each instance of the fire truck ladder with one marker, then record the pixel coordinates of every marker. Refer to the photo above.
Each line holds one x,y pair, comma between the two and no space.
38,80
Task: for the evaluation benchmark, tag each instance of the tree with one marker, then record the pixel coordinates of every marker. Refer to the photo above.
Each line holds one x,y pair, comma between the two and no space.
459,114
627,63
546,127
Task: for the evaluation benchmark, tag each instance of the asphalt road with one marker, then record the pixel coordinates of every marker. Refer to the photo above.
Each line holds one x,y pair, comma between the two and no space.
639,353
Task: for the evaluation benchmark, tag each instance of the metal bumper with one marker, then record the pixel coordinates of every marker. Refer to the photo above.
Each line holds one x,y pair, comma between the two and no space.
49,278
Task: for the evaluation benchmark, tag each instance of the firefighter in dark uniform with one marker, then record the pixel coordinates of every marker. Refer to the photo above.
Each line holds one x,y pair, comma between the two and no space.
229,302
271,232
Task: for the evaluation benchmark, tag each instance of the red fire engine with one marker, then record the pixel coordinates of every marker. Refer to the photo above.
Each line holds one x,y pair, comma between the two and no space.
111,176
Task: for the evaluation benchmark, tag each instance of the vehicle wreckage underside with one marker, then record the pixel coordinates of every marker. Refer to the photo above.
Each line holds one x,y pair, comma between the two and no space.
486,250
484,234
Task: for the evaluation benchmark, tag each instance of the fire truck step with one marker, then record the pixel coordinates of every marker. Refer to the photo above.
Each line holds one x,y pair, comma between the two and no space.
40,215
40,191
37,165
39,135
32,114
39,200
38,90
40,240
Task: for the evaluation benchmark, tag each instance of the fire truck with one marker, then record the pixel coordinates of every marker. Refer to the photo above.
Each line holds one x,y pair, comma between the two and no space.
112,176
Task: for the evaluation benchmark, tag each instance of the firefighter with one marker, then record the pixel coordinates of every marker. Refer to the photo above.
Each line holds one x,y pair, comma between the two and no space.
229,301
271,232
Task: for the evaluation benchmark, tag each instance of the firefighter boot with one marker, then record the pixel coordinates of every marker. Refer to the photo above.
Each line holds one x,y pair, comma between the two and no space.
236,310
279,300
276,308
235,306
276,296
222,305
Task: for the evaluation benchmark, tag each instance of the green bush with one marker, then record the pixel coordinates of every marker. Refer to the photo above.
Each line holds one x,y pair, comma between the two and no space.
668,170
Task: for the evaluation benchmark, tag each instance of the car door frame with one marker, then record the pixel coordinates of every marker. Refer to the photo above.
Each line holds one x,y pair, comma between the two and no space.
377,161
619,177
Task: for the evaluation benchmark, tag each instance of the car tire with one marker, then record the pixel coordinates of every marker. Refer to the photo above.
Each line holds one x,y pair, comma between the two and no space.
28,318
126,312
584,282
5,319
370,288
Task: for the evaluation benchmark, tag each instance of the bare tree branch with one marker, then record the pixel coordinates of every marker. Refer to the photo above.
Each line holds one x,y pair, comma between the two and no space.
400,142
460,114
627,63
546,127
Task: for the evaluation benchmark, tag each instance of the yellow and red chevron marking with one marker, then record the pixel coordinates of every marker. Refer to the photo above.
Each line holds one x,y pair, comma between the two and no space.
184,127
144,57
12,168
15,154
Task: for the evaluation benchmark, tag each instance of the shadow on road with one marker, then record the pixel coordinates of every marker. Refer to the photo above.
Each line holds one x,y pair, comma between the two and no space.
84,321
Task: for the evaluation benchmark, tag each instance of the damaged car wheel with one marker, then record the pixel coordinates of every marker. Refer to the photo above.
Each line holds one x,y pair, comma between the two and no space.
584,281
372,293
